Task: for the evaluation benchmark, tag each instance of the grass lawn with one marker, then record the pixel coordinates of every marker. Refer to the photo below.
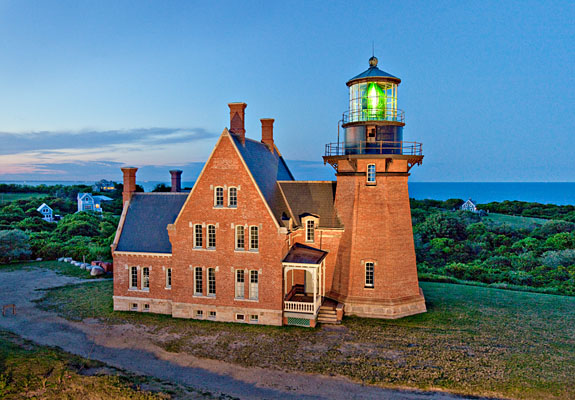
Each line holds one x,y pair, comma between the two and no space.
8,197
473,340
515,221
39,372
60,267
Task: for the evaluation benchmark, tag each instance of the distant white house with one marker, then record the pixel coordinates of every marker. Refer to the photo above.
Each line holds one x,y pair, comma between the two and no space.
89,202
104,186
469,205
47,212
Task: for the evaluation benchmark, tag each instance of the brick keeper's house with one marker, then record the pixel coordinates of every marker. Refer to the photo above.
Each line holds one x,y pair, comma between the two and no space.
251,244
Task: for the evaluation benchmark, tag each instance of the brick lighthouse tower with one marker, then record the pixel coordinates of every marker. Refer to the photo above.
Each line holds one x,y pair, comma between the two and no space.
376,273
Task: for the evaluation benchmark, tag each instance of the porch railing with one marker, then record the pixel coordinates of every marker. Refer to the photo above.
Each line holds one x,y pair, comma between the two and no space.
298,306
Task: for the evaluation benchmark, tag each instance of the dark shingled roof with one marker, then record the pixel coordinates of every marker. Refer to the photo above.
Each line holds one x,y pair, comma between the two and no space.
373,72
148,216
302,254
267,168
308,197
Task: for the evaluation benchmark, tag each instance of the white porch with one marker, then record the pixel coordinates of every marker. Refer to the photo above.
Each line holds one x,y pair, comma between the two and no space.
304,280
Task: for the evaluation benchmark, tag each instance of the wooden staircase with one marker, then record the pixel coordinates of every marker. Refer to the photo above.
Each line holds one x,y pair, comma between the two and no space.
327,313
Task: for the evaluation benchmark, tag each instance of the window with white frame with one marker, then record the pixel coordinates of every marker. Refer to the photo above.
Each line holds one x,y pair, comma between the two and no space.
198,281
240,238
133,277
198,239
370,173
369,274
211,281
219,197
146,307
168,278
233,197
254,289
240,285
145,278
211,236
134,307
310,230
212,315
199,313
254,318
254,238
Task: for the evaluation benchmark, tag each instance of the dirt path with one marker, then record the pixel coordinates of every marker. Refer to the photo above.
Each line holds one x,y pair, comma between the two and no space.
120,346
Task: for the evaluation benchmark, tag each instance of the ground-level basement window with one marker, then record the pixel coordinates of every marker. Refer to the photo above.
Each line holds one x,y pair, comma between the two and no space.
199,314
212,315
146,307
240,317
134,307
254,318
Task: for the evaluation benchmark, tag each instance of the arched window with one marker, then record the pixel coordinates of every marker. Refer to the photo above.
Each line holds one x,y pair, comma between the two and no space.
240,238
219,197
233,197
254,238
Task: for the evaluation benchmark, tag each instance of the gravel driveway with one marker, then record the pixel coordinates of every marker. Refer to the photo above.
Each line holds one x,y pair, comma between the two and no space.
117,346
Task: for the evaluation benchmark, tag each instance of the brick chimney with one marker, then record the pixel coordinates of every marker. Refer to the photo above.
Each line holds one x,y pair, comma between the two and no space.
129,183
268,132
237,115
176,180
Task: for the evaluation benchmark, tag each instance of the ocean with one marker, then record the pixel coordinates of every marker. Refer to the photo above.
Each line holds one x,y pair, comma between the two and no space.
561,193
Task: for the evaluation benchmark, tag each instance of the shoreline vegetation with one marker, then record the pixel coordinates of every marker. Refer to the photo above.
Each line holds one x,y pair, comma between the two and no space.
514,245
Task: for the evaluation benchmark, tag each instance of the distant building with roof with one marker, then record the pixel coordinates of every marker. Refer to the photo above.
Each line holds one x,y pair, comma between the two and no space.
47,212
251,244
104,186
89,202
469,205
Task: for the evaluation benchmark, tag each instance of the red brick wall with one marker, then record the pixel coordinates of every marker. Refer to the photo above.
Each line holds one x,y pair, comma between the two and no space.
157,265
225,168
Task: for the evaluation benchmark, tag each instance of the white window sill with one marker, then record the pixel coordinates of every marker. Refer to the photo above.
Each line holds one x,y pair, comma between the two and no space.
211,248
201,296
168,288
139,290
248,300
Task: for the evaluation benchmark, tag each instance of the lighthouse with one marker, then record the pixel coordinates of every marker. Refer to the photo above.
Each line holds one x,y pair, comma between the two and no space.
376,272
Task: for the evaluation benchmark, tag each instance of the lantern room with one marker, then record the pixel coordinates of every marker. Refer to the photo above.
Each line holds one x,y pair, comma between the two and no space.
373,117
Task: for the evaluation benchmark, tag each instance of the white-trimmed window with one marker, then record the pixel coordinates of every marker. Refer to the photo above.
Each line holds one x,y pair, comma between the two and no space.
199,313
254,287
168,278
198,281
370,173
146,308
233,197
211,236
254,318
198,236
134,307
310,230
219,197
254,238
369,267
240,285
212,315
133,277
145,278
240,317
211,281
240,237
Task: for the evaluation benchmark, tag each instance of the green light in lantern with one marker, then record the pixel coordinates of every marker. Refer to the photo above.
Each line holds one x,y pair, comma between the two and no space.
374,102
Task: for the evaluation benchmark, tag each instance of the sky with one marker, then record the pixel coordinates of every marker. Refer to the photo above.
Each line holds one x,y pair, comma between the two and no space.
89,86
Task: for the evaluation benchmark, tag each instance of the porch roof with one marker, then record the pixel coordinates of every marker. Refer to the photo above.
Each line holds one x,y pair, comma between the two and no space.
302,254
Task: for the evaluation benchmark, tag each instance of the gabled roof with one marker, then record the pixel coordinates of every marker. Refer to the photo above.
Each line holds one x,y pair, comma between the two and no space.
312,197
267,168
302,254
145,227
42,206
82,196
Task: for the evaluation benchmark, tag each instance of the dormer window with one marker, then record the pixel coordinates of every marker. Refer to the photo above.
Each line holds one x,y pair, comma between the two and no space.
219,197
310,230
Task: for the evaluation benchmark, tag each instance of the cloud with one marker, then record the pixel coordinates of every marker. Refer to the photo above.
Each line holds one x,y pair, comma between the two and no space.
46,141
